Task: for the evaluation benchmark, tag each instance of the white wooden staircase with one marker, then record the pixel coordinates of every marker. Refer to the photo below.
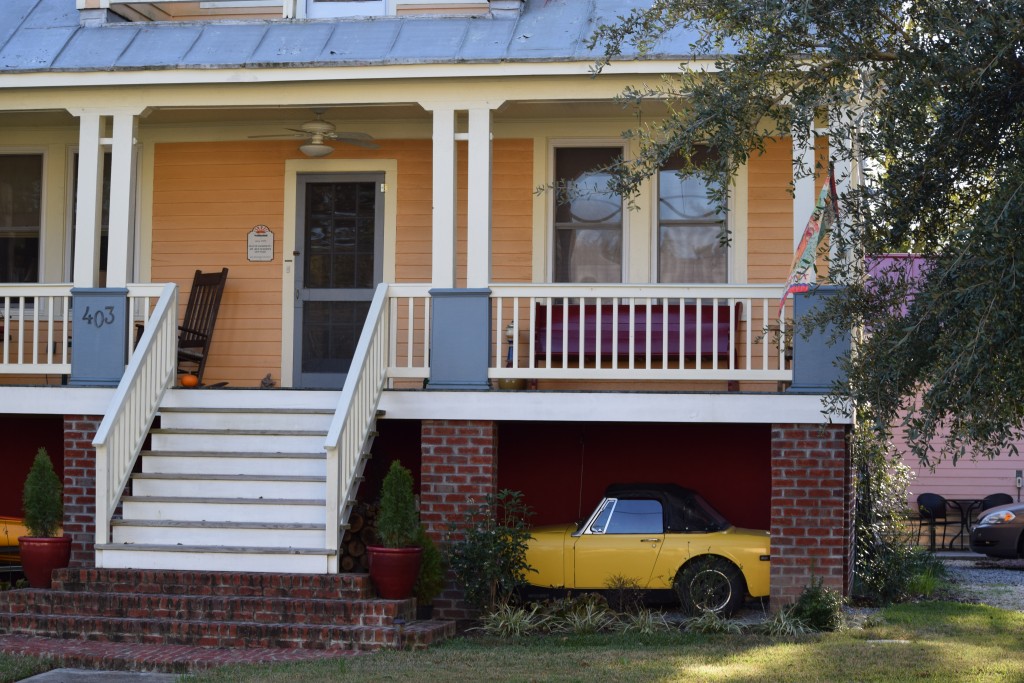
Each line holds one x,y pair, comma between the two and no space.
235,480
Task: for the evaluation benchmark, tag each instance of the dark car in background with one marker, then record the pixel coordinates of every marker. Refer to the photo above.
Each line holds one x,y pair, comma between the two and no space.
1000,531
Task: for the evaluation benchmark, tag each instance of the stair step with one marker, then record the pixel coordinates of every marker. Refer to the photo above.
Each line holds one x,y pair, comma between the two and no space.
177,659
250,583
234,462
213,558
229,485
288,510
249,419
253,441
233,608
222,634
267,534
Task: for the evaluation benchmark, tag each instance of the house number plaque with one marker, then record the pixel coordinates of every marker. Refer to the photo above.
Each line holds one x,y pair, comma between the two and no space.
261,244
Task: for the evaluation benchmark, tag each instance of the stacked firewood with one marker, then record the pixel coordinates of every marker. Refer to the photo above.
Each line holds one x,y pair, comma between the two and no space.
361,532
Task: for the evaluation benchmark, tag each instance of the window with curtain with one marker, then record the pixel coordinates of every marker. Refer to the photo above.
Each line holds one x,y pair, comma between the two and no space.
588,217
21,201
689,227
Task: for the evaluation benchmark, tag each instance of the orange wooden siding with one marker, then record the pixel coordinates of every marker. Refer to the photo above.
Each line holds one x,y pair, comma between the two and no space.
770,210
208,196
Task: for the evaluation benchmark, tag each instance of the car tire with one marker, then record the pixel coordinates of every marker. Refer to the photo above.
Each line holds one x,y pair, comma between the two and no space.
710,584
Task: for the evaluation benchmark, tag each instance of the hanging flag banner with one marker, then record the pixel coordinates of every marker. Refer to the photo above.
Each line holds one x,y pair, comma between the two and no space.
824,216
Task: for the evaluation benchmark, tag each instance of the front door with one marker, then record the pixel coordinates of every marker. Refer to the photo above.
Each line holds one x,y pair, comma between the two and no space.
340,237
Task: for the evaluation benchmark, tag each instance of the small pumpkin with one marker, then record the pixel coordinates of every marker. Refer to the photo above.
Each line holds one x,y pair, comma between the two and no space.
189,381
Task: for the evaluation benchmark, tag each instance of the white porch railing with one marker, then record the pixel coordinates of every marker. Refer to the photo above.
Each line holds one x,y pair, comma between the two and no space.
599,332
128,418
354,418
36,325
288,7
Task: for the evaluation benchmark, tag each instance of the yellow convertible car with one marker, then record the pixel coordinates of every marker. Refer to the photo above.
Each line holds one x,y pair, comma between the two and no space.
660,536
10,529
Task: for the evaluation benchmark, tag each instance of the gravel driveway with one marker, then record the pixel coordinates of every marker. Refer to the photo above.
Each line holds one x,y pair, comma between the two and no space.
999,583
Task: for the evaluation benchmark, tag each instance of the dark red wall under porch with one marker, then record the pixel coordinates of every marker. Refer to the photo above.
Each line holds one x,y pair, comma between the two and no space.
23,436
564,467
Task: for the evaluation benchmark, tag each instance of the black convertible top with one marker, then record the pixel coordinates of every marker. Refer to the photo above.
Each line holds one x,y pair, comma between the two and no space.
685,510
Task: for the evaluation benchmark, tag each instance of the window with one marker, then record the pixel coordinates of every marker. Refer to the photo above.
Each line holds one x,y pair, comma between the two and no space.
690,225
588,217
21,201
636,517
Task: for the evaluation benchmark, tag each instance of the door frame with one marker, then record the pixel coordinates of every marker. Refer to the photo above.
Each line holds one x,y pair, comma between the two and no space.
293,168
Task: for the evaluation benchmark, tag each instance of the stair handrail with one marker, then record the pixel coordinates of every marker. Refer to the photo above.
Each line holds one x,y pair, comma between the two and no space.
131,411
355,416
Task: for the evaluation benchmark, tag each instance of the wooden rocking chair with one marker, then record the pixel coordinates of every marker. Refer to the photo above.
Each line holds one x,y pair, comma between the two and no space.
196,329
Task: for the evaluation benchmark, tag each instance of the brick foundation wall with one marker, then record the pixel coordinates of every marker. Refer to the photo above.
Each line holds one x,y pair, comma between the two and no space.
80,486
812,510
458,467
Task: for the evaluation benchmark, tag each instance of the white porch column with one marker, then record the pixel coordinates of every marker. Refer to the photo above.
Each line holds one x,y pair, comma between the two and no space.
90,200
803,195
840,152
444,183
122,199
478,188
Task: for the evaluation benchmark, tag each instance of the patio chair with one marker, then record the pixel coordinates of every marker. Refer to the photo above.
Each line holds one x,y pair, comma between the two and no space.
995,500
932,509
196,330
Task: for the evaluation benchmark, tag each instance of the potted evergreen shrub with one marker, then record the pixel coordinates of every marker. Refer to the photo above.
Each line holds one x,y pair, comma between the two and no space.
43,550
430,581
395,562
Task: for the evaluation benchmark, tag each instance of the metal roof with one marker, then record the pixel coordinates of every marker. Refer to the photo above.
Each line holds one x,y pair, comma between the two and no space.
45,35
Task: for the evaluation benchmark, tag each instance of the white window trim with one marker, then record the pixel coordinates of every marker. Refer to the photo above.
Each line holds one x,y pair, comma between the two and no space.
561,143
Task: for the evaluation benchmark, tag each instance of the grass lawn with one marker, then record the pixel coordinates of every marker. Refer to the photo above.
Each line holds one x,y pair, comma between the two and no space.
933,641
17,667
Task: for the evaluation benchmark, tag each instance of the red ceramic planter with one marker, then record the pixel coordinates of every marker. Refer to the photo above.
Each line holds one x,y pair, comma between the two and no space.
40,556
394,571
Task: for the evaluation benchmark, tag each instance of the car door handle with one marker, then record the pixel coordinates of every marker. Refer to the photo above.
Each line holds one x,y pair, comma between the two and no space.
650,540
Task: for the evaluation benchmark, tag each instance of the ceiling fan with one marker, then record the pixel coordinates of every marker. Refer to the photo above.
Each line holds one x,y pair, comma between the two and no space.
318,130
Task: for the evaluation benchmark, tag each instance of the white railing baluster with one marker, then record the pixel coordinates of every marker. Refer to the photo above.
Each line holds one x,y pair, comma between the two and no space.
354,418
687,311
124,428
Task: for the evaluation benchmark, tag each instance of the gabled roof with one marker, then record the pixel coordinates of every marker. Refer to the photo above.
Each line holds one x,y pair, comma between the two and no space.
45,35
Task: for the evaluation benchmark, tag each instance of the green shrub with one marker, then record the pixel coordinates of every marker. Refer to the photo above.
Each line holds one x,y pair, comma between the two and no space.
644,622
487,549
430,581
783,624
584,614
887,559
398,522
712,622
818,607
511,621
624,594
42,498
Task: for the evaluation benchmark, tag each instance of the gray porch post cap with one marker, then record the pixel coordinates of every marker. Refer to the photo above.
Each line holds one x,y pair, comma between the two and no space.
460,339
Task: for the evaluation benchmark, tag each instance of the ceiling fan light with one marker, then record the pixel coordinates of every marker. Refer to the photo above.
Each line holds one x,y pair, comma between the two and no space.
315,149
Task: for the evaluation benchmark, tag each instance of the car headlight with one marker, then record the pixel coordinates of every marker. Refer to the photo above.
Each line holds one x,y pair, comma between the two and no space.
998,518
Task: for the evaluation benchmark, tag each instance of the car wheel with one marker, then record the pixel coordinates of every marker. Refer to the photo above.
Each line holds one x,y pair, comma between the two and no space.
710,584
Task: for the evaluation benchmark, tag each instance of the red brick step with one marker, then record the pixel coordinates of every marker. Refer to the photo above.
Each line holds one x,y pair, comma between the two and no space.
213,612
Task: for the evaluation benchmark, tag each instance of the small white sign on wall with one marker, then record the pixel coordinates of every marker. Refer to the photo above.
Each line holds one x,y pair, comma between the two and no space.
261,244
